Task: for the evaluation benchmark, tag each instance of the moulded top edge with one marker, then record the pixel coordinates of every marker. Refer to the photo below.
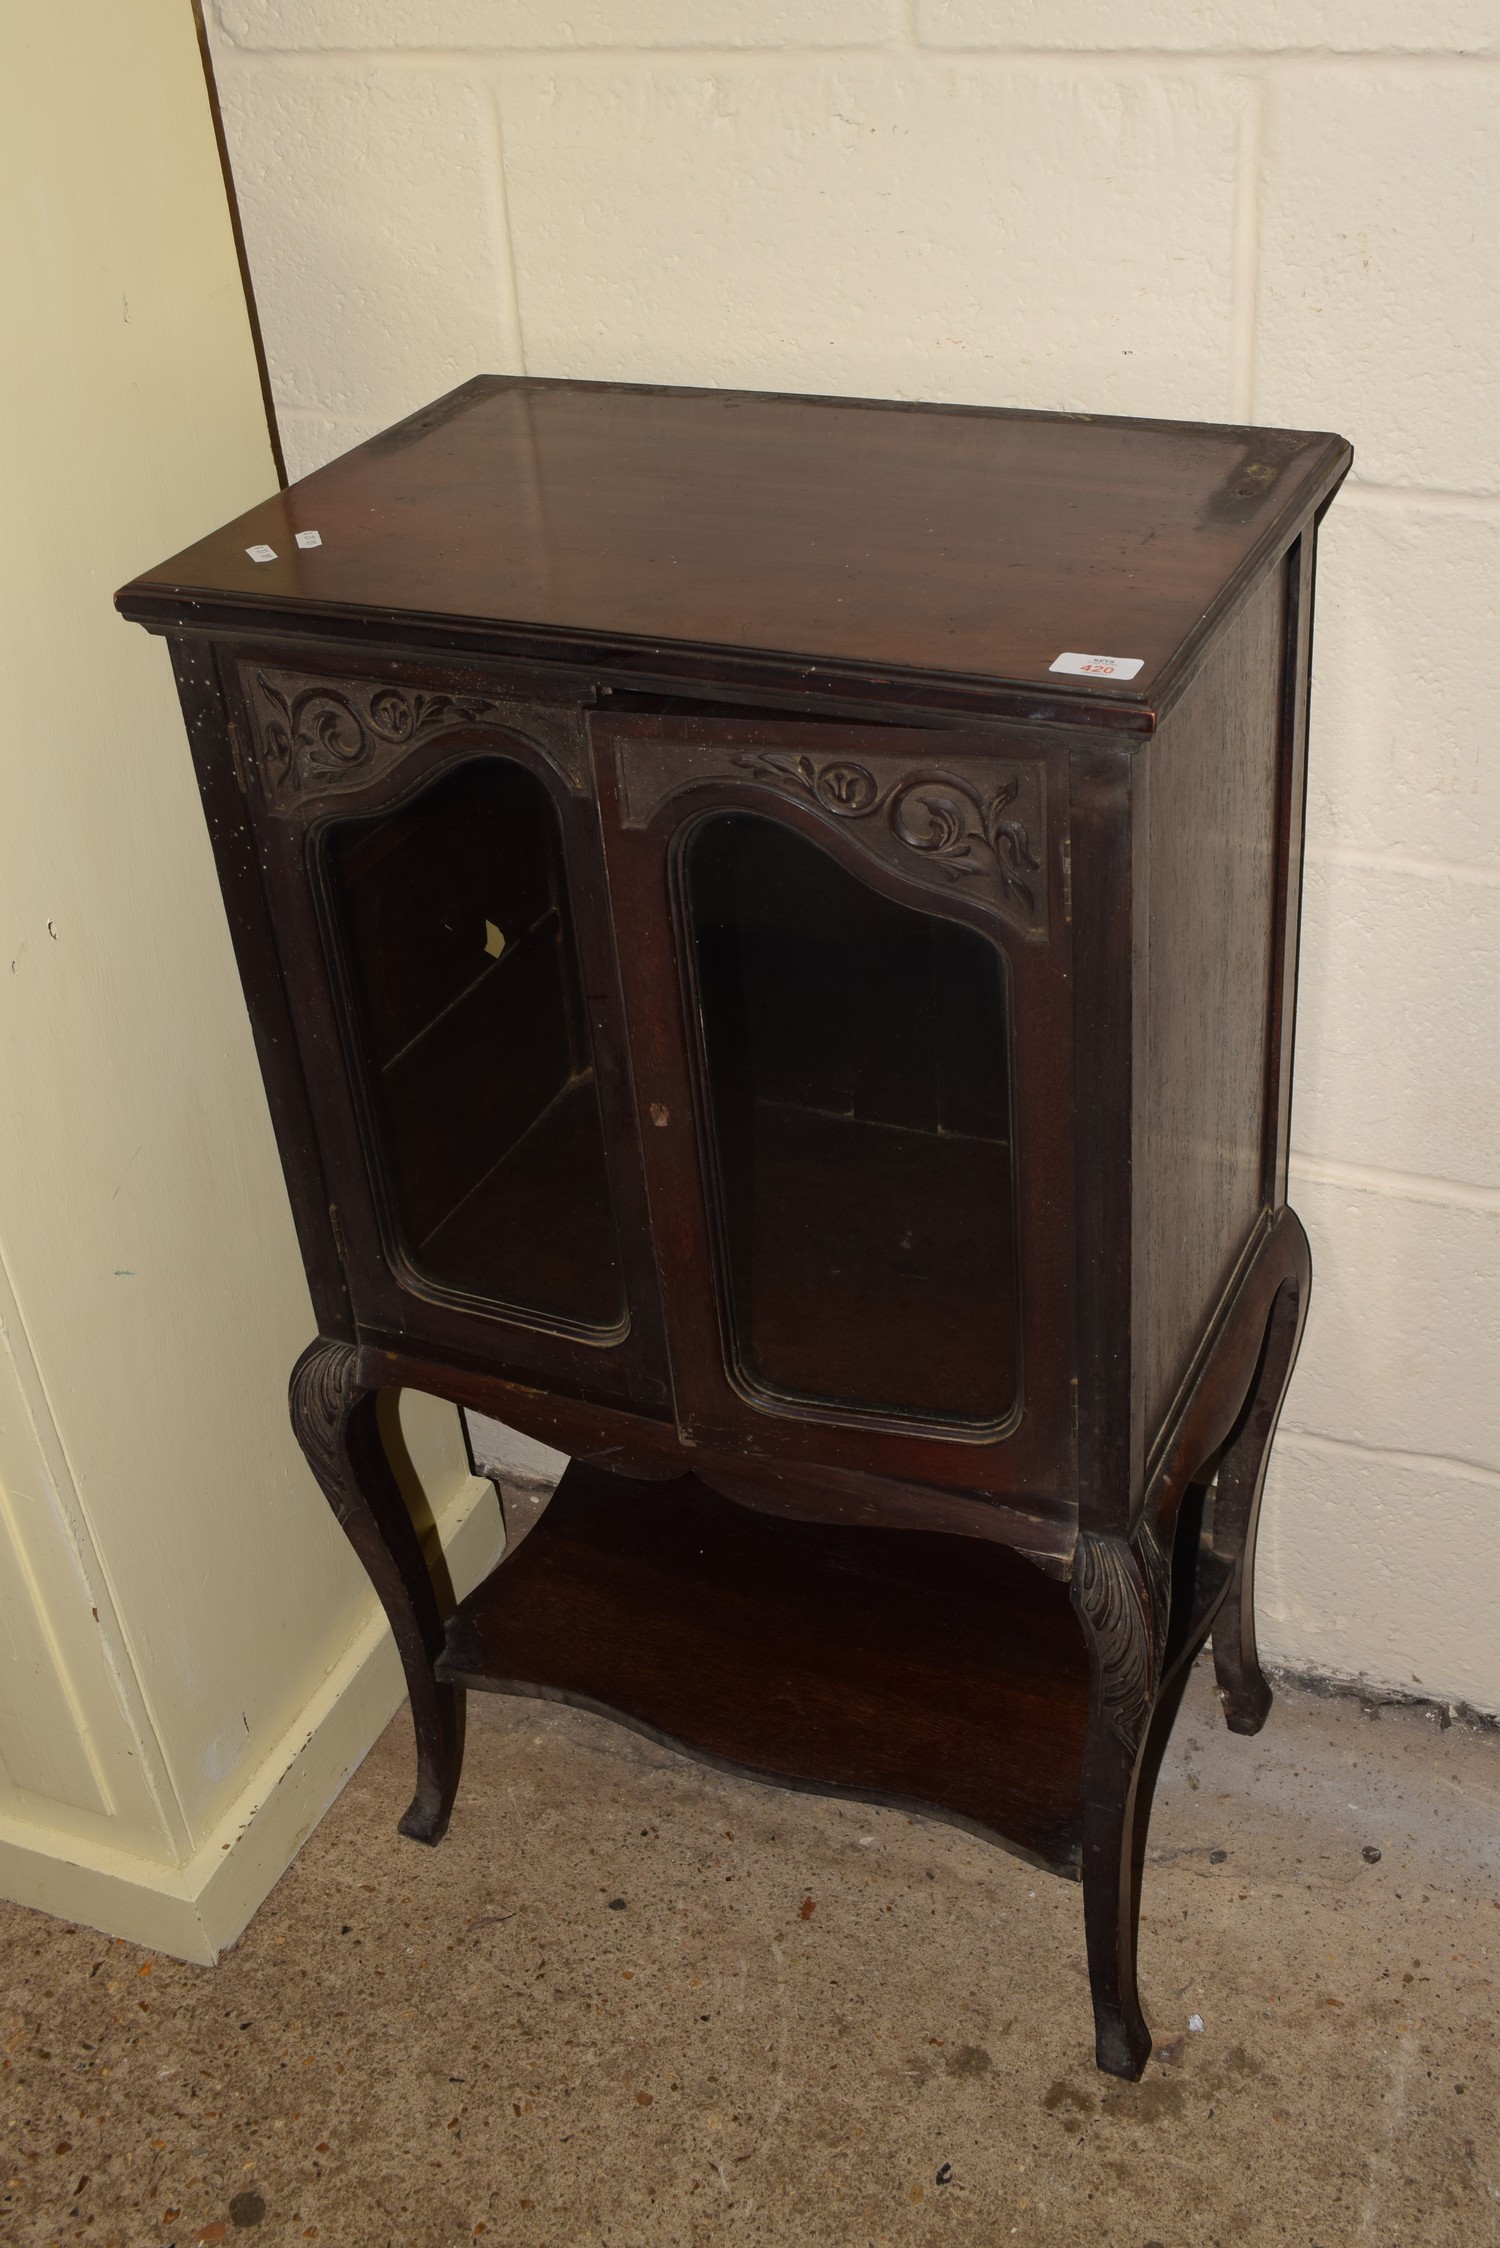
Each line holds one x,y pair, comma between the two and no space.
680,668
981,546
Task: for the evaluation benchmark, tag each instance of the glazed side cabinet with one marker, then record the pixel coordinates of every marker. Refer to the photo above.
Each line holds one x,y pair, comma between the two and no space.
770,925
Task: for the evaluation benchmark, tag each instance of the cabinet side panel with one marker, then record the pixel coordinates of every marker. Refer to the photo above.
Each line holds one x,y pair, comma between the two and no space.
1204,953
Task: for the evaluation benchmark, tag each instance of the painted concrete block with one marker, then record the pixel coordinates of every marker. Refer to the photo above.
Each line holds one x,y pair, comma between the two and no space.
310,440
1398,1022
374,230
1381,1568
503,1451
1403,1335
1401,754
1185,26
543,23
866,227
1379,300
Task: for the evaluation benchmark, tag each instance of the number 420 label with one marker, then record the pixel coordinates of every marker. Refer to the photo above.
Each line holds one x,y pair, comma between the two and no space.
1099,667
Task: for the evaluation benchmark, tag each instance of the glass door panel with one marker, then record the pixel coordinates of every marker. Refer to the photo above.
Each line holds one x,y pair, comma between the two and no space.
856,1055
452,920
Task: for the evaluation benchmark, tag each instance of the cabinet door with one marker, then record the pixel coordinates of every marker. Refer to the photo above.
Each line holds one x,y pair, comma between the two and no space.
848,997
439,905
452,923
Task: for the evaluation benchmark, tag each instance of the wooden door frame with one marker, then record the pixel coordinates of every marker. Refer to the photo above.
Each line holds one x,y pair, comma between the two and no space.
289,818
656,775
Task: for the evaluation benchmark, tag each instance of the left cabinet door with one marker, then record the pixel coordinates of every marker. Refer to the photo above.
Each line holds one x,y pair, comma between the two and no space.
432,861
453,932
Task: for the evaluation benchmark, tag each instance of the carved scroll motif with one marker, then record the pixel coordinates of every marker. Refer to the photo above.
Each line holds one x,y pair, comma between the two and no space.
974,824
315,734
323,1392
1123,1594
334,1421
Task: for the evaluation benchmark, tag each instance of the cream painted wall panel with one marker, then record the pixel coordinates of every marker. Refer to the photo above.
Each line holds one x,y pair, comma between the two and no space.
1403,1334
197,1905
1316,1586
371,202
1399,1020
1402,754
44,1728
186,1587
146,1224
1178,26
1379,304
556,23
114,259
65,1735
871,226
90,1769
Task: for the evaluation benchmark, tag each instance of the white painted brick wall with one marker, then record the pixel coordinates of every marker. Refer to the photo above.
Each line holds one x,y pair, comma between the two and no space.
495,25
783,222
1404,765
1397,1026
399,290
1183,26
1379,272
1271,210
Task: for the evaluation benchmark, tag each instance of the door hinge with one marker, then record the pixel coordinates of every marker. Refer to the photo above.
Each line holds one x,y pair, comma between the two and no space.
1067,856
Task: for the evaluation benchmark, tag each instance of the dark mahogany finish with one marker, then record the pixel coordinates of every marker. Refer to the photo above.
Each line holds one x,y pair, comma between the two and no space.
730,1009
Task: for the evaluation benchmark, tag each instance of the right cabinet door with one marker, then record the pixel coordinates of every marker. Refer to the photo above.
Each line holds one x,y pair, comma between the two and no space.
848,997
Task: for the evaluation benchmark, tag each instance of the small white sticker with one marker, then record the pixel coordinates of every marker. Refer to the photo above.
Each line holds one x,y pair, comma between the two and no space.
1099,667
261,553
309,538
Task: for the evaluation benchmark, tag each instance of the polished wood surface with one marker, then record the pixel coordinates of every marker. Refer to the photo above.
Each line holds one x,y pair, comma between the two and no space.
900,1665
899,1248
964,540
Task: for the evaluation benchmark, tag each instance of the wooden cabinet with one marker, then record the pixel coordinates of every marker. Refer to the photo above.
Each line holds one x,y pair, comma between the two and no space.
771,929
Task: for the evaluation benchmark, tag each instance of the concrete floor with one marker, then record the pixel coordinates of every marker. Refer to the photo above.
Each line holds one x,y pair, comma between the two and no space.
636,2002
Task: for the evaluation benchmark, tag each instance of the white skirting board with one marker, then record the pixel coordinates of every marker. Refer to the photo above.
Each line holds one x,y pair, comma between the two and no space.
195,1911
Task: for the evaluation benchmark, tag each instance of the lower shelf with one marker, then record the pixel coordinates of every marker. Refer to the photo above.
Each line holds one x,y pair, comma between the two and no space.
910,1667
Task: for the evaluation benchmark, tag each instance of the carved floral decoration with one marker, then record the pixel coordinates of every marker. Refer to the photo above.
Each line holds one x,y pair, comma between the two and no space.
323,1392
1123,1592
318,734
963,829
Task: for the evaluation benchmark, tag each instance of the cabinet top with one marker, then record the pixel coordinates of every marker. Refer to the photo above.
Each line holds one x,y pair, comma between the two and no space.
578,520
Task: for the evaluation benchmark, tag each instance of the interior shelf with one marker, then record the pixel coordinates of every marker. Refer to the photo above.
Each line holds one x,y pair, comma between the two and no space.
875,1267
537,1229
937,1672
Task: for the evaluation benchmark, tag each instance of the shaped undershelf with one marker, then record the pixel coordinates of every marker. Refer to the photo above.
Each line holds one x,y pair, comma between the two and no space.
939,1673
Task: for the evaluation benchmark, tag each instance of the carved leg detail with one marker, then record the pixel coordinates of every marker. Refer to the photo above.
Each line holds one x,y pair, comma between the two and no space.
334,1420
1242,1474
1122,1593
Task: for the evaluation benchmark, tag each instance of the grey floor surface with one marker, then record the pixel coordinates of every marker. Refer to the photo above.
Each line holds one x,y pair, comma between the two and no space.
636,2002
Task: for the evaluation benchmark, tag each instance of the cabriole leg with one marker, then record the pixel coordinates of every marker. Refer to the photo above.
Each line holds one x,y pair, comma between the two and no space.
1242,1474
334,1420
1122,1593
